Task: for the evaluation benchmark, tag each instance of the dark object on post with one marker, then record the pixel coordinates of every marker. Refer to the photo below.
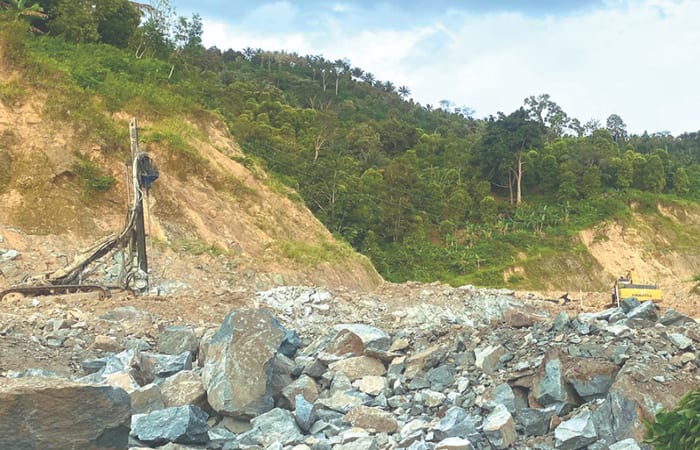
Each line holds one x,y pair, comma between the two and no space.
134,274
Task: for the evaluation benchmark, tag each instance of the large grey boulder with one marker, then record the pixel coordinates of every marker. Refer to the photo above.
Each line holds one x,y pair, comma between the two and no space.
591,378
549,385
53,414
373,339
176,339
575,433
673,317
132,362
277,425
646,311
146,399
488,358
238,371
535,422
182,425
304,413
456,423
167,365
183,388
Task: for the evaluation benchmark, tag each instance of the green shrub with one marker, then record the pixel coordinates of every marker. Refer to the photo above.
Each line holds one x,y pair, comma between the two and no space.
311,255
199,247
11,92
5,169
94,181
678,429
13,36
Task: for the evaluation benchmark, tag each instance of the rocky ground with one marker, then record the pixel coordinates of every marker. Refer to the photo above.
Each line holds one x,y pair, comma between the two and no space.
406,366
213,358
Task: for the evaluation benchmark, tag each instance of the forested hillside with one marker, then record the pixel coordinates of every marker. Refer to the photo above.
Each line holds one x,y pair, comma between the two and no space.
428,192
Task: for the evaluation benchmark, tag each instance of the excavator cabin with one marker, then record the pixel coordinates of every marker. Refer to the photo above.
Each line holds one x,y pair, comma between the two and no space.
626,287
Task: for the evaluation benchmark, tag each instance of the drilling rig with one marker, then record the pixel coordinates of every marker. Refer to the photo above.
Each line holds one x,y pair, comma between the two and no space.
141,174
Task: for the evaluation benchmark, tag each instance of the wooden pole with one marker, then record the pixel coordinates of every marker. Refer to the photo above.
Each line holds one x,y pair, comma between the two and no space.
139,233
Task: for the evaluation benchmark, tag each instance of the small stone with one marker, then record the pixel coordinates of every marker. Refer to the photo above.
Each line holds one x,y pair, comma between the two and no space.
340,401
441,376
687,357
399,345
681,341
457,422
304,386
454,443
358,367
8,255
106,344
277,425
372,385
371,418
146,399
673,317
487,358
433,399
627,444
499,428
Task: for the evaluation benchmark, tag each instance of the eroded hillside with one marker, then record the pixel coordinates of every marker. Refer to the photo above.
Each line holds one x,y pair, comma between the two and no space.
218,216
657,244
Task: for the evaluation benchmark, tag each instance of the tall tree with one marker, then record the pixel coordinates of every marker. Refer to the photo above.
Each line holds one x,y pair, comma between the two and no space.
550,115
653,175
617,128
74,20
504,146
117,22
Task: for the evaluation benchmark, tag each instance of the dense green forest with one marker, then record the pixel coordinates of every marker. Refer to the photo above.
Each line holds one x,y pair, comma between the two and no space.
428,192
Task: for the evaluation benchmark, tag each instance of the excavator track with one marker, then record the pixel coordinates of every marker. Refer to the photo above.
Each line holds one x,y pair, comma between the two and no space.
56,290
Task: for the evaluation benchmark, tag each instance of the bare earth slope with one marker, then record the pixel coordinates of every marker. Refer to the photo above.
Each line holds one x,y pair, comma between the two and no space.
660,249
255,229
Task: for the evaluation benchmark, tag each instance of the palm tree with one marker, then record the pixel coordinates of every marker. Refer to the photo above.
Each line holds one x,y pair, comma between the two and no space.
404,92
368,78
143,8
356,72
388,86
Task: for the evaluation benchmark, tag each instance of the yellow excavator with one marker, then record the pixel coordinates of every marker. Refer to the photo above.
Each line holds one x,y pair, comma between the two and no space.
626,287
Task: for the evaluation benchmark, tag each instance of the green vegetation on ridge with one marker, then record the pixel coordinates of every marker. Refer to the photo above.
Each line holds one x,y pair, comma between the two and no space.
427,192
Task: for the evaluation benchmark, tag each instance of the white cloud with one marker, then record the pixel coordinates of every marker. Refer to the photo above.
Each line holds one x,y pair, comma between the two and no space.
635,58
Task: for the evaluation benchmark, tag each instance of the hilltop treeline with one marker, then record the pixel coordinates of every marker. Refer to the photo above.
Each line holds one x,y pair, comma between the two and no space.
426,191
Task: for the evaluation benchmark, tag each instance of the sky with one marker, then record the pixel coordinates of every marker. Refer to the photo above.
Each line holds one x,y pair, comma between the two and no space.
639,59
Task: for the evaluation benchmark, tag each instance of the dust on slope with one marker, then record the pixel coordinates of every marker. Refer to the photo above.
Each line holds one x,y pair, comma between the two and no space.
225,208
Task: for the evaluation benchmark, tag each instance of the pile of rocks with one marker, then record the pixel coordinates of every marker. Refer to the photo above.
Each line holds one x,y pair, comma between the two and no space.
493,374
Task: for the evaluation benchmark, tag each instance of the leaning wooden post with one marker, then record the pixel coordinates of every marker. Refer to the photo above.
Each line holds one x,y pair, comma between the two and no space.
138,236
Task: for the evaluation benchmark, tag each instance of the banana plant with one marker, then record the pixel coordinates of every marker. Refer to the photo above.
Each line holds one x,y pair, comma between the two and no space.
20,9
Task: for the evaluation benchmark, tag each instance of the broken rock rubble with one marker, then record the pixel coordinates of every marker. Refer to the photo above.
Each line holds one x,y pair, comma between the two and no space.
491,374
